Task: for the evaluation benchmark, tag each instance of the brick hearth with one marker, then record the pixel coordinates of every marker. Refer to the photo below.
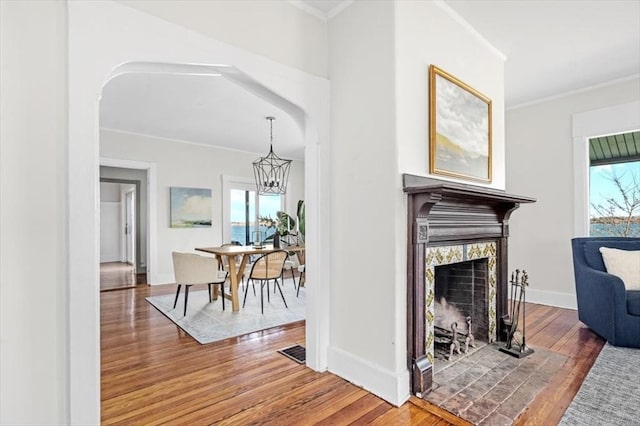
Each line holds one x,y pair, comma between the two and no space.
492,388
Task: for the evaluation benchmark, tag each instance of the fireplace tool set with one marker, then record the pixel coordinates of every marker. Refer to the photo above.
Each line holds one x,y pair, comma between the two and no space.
516,340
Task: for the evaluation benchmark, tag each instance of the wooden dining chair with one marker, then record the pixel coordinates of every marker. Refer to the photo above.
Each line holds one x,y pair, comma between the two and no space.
268,267
292,264
301,279
192,269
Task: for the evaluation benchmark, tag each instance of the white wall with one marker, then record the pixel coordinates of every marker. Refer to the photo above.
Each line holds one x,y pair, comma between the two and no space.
189,165
540,164
274,29
363,332
110,228
110,222
33,123
429,33
109,192
378,65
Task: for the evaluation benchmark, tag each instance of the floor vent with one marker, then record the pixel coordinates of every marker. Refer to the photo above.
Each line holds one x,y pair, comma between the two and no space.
297,353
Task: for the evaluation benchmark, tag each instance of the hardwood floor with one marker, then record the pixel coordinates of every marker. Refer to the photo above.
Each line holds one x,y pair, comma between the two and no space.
119,275
559,330
154,373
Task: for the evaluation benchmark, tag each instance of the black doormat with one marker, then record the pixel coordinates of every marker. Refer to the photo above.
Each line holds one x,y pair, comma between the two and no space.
297,353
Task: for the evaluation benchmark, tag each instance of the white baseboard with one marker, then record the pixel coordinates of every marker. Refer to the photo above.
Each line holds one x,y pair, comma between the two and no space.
162,279
390,386
552,298
109,257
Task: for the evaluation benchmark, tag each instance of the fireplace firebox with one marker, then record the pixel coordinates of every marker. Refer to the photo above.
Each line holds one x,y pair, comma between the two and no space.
461,307
458,231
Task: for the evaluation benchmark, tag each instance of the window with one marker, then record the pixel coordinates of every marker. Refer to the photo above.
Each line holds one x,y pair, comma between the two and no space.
243,216
243,208
614,185
269,206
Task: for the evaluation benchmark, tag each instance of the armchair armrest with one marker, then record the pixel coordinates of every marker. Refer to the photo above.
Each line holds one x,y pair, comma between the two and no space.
600,297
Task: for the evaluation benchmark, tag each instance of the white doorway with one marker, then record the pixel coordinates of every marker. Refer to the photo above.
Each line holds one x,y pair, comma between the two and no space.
110,223
120,236
95,56
130,225
137,196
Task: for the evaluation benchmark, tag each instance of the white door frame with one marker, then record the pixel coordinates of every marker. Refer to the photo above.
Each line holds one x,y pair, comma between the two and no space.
152,229
107,39
130,227
605,121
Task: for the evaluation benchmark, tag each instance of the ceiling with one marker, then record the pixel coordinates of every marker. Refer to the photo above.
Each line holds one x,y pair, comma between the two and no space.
202,109
552,47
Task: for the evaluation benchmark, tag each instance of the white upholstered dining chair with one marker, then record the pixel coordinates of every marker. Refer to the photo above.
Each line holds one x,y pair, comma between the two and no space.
192,269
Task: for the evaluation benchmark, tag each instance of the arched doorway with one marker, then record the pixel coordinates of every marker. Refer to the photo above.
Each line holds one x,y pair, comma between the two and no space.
96,55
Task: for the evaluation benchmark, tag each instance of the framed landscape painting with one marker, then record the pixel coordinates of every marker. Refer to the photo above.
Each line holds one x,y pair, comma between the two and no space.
190,208
459,128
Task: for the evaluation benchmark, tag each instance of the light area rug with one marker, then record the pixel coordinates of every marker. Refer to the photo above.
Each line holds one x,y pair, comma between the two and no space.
207,322
610,394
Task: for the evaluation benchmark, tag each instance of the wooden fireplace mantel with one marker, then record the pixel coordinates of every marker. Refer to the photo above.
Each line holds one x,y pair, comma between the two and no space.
448,213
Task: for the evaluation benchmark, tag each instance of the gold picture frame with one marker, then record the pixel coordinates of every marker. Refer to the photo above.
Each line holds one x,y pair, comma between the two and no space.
459,128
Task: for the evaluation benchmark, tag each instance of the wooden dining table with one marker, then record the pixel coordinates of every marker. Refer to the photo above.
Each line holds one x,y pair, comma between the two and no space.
236,270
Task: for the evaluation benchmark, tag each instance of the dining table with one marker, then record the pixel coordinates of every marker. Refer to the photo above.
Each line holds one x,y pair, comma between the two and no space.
238,258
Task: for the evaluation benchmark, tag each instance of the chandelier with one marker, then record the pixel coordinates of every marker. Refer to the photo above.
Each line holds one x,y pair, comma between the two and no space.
271,172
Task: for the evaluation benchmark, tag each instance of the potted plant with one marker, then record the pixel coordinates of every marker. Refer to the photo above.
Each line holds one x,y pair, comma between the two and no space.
282,225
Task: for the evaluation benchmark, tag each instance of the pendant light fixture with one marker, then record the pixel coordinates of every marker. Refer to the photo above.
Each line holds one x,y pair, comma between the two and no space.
271,172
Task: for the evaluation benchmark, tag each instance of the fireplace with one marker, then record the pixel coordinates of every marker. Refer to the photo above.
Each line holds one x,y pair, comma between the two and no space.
461,309
460,286
460,232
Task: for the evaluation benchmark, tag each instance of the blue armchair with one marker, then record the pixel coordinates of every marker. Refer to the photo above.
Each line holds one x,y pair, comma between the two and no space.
604,304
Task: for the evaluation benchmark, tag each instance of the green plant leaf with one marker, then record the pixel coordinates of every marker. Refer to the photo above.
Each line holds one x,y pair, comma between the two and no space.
300,214
285,223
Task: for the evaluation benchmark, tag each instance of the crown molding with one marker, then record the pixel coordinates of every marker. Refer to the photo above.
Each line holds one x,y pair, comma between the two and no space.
317,13
464,23
573,92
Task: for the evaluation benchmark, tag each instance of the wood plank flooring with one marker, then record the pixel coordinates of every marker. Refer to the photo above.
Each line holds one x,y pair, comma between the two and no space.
119,275
154,373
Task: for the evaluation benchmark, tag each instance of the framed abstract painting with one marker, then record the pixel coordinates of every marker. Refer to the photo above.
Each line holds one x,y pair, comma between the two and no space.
190,207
